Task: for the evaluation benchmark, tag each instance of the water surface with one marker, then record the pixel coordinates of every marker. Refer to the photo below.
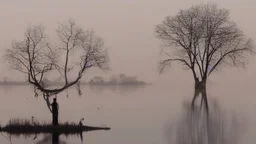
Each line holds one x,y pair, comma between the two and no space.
155,114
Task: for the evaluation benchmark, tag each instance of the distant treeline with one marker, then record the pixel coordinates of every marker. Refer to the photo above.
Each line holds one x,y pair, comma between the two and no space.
13,83
121,79
116,80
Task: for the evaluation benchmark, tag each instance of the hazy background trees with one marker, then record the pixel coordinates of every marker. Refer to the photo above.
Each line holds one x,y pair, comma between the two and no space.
121,79
203,39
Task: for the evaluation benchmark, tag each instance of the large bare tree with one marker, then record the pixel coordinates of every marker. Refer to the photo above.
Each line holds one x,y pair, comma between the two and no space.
203,39
41,60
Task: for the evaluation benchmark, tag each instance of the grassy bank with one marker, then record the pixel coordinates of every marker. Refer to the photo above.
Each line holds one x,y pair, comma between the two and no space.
24,126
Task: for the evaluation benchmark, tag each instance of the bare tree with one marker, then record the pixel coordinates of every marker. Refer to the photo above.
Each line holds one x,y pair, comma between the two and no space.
42,61
202,38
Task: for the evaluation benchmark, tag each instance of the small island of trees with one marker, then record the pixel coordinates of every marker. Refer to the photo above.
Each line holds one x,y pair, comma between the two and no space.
121,79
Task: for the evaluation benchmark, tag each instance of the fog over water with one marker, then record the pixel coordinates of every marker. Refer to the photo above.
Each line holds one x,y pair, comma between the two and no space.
150,114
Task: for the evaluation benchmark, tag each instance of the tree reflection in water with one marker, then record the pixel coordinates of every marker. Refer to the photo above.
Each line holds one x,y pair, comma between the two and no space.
54,139
204,123
51,139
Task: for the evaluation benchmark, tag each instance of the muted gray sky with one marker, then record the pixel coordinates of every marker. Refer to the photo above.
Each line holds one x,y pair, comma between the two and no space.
127,27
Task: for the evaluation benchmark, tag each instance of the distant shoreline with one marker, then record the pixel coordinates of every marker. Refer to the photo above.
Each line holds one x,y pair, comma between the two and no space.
13,83
9,83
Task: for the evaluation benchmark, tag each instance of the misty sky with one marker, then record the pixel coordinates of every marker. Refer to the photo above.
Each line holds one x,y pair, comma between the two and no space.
127,27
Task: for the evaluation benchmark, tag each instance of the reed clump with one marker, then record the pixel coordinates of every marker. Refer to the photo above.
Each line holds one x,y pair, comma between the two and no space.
26,126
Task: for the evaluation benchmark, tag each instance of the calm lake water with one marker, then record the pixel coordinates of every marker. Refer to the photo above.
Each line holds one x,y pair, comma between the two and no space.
154,114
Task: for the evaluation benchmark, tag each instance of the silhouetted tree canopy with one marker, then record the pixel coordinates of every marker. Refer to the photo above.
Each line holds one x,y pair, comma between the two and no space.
203,39
41,60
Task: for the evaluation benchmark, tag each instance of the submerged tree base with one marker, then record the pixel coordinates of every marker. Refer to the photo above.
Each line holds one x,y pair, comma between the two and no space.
18,126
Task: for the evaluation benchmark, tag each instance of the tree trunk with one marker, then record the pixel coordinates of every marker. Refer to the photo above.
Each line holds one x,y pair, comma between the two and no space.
200,85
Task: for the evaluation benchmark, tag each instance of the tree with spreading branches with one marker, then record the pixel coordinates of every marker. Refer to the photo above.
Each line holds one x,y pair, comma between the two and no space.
203,39
42,61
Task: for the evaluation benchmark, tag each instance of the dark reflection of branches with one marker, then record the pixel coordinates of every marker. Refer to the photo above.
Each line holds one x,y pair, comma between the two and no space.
204,123
204,100
8,137
54,138
51,138
81,136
